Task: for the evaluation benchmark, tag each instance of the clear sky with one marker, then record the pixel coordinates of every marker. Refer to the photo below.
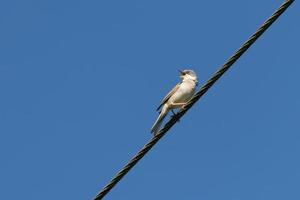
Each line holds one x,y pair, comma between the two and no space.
80,82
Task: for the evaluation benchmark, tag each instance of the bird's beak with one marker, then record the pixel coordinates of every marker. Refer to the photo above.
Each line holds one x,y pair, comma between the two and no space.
181,72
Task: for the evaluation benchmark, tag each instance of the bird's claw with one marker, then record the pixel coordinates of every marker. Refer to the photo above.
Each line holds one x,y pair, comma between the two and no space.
175,116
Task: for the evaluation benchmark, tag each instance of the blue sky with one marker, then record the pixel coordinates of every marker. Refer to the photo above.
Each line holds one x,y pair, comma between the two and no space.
80,82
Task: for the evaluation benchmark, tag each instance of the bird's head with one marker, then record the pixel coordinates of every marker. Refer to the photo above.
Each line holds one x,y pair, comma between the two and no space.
188,74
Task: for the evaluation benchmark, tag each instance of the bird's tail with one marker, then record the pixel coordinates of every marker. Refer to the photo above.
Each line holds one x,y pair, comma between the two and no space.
159,120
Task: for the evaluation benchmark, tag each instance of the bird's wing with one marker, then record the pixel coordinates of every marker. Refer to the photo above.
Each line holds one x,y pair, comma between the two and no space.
168,96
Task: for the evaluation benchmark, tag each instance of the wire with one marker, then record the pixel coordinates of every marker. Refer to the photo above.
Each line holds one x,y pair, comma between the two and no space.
195,98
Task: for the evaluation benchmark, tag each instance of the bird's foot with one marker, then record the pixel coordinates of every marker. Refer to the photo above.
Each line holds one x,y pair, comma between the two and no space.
175,116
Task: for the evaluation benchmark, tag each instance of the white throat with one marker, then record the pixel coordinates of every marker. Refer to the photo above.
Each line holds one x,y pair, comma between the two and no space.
188,77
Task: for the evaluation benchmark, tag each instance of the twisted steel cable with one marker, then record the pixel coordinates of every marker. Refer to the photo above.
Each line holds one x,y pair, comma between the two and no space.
195,98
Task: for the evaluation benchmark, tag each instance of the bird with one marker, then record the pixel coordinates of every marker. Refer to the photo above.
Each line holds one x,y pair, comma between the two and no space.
177,97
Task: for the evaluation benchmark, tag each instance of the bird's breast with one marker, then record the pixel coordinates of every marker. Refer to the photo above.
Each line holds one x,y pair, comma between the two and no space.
184,93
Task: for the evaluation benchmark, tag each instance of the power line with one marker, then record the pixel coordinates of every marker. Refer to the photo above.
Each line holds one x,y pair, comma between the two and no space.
196,97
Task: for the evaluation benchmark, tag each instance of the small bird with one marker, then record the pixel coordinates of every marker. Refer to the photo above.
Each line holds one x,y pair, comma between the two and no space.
177,97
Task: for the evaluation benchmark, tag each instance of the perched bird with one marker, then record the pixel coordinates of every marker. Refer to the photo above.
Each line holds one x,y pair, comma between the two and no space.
177,97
